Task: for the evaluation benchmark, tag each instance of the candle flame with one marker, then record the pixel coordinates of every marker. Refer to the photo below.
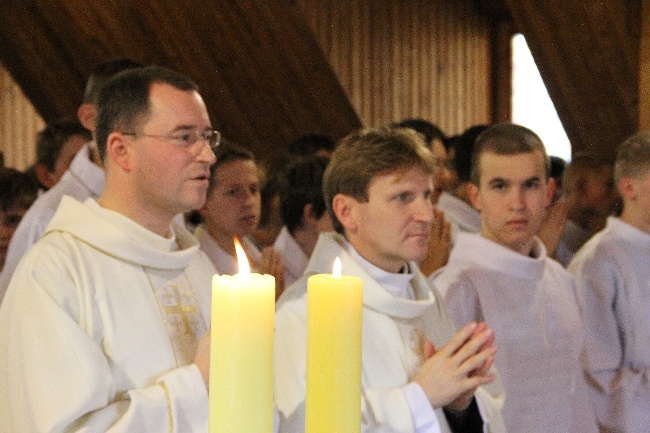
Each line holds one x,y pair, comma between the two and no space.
242,261
336,269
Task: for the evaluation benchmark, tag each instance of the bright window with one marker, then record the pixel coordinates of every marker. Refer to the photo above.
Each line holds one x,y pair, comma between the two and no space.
531,105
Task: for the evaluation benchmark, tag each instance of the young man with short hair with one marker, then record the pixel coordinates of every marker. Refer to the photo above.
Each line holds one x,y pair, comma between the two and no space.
504,277
612,274
56,147
378,188
303,212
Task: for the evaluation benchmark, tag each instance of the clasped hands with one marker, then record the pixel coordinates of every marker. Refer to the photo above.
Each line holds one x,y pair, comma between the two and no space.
450,375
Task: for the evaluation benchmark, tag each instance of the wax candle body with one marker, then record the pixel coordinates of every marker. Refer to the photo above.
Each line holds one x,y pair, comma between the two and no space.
241,354
334,312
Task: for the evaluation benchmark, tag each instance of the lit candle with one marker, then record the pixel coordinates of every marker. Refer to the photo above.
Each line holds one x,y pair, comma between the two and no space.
334,311
241,351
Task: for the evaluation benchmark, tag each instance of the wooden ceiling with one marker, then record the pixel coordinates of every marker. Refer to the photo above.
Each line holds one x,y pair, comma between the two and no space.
587,52
263,77
266,81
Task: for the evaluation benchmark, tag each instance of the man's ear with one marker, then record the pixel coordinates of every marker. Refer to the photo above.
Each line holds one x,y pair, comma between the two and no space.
118,150
473,192
43,175
86,114
308,218
551,186
344,209
627,188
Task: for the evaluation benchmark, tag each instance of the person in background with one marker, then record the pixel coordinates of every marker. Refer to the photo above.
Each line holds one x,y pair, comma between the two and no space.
270,223
270,219
611,270
455,202
56,147
556,212
232,209
303,212
105,323
504,277
84,178
18,191
590,197
378,188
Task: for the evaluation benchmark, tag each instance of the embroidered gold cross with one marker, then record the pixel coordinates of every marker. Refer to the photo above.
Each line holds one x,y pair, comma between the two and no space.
181,309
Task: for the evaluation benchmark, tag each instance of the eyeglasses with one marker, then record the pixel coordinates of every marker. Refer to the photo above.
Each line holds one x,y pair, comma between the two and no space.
190,140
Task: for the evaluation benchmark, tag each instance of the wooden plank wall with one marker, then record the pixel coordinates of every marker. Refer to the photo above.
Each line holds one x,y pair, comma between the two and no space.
644,68
410,58
263,77
393,59
19,124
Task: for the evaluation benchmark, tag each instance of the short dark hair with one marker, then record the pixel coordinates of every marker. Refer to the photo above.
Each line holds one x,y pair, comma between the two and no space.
18,189
226,152
463,146
310,144
367,153
53,137
429,130
633,156
124,100
102,73
506,139
301,183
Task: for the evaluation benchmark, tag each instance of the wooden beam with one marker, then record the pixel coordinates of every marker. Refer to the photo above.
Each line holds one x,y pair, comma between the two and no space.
501,36
588,59
644,68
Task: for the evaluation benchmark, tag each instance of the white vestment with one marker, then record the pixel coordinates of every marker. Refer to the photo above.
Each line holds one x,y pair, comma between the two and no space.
462,217
82,180
613,275
572,239
532,306
222,261
393,336
294,258
100,326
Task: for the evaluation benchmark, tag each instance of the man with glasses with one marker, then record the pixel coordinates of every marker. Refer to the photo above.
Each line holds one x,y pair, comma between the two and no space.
105,320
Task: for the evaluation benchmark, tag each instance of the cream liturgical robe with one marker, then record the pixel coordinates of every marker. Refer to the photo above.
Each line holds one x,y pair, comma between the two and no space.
99,328
531,305
612,271
393,336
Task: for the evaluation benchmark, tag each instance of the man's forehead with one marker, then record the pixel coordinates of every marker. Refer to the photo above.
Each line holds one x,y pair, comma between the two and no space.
497,165
185,106
403,177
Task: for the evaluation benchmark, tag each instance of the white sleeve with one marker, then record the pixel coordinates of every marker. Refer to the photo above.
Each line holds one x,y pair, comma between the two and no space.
424,417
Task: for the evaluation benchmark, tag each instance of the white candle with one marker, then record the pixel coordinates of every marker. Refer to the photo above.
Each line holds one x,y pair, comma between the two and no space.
334,313
241,351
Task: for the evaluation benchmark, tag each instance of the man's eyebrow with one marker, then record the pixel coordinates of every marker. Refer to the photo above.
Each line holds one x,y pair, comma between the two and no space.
190,128
497,180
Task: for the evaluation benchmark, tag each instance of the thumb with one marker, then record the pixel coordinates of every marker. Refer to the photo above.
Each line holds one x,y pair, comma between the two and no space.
429,349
